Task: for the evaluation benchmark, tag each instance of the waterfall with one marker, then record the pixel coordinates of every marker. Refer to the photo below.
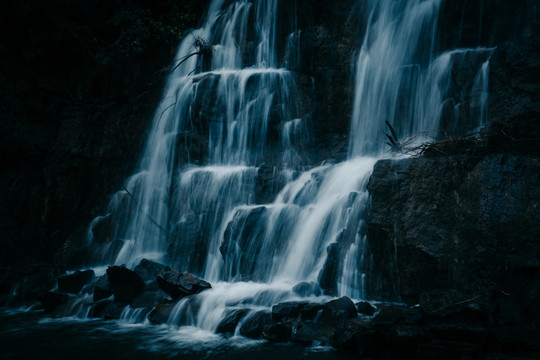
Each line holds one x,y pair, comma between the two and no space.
230,114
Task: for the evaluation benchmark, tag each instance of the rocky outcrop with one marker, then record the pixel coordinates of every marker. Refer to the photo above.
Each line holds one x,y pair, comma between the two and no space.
455,222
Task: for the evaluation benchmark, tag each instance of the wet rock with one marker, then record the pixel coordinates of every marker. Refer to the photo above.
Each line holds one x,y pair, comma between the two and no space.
179,285
311,311
102,288
459,332
358,337
365,308
230,321
160,314
148,269
405,339
107,309
51,300
306,332
149,299
436,301
330,271
414,315
125,284
388,315
287,310
255,324
305,289
278,332
338,310
74,283
465,313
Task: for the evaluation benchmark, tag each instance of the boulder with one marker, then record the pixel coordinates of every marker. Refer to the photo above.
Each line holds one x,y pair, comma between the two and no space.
278,332
388,315
305,289
306,332
311,311
148,269
338,310
125,284
287,310
51,300
73,283
106,309
102,288
149,299
365,308
358,337
254,326
229,322
179,285
160,314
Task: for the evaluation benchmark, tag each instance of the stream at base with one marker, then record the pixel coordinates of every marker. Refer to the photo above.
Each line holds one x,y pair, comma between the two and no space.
30,335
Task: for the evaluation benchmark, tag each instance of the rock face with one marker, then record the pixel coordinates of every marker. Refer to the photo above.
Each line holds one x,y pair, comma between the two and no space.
457,222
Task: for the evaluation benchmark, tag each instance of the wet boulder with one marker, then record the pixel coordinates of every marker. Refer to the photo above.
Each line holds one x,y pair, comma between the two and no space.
160,314
287,310
278,332
358,337
254,326
179,285
106,309
73,283
148,269
338,310
388,315
102,288
125,284
305,289
230,321
149,299
311,311
51,300
365,308
306,332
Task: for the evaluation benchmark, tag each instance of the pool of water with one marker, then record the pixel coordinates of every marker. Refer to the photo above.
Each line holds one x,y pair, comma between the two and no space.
33,335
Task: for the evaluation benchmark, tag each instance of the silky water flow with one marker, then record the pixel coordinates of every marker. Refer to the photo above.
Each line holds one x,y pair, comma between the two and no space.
237,105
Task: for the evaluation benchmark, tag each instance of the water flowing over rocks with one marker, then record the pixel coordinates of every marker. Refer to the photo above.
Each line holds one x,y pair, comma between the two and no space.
254,175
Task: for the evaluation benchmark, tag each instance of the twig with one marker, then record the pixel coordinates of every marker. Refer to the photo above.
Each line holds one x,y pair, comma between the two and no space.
142,211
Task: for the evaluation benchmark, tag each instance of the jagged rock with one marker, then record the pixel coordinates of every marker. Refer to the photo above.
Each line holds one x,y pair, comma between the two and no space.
160,314
51,300
74,283
338,310
365,308
305,289
178,285
330,271
125,284
102,288
148,269
278,332
254,326
228,324
287,310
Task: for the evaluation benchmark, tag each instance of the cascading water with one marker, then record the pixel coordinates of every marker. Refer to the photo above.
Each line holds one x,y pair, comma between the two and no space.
225,113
